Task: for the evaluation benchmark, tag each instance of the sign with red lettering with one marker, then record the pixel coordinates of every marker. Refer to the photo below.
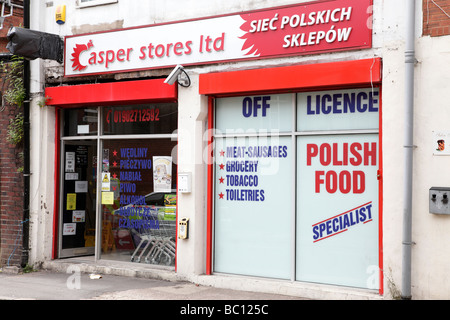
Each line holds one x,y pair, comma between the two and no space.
337,186
352,155
337,209
319,26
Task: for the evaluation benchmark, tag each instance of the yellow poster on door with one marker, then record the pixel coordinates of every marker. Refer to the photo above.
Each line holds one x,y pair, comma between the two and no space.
71,201
107,197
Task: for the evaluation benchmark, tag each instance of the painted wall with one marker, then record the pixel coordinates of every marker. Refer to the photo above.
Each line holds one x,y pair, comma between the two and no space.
430,231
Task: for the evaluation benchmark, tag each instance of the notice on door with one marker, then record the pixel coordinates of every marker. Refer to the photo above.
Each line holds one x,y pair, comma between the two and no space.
70,162
71,201
162,173
69,229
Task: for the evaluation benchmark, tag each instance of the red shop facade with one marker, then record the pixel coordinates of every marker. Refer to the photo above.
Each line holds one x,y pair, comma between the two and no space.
291,153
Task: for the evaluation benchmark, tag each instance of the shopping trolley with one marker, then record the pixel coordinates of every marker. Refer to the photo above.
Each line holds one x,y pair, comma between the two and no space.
157,240
162,250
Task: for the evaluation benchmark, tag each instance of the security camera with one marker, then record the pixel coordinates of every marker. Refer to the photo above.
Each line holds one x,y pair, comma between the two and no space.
173,76
180,75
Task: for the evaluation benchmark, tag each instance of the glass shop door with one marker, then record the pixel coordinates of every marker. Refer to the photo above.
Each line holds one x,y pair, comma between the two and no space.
78,198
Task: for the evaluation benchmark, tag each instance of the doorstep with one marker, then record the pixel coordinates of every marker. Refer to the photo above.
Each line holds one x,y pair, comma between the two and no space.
224,281
106,267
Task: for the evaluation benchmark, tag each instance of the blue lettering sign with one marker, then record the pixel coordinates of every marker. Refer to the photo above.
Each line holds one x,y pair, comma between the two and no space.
342,103
342,222
251,105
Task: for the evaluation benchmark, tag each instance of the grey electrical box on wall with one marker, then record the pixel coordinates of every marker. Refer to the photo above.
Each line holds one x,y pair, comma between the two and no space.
439,200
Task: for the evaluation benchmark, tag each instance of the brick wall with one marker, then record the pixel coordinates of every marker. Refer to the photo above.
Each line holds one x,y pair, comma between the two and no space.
11,181
436,17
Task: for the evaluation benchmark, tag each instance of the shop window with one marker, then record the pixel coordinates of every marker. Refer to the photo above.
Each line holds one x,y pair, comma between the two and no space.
296,186
253,186
118,186
140,119
337,187
337,215
80,122
139,200
350,109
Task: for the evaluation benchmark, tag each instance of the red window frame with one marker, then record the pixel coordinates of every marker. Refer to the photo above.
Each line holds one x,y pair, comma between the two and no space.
295,78
107,94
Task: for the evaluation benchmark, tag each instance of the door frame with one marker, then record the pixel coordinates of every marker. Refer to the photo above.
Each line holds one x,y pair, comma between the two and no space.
82,251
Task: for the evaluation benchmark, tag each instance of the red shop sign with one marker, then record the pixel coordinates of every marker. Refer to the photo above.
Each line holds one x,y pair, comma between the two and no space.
322,26
312,27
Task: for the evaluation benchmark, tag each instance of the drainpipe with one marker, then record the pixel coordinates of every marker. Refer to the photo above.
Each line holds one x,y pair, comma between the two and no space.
26,148
408,148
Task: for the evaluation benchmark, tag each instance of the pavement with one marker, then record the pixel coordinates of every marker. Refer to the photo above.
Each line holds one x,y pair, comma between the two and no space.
54,285
174,299
51,285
